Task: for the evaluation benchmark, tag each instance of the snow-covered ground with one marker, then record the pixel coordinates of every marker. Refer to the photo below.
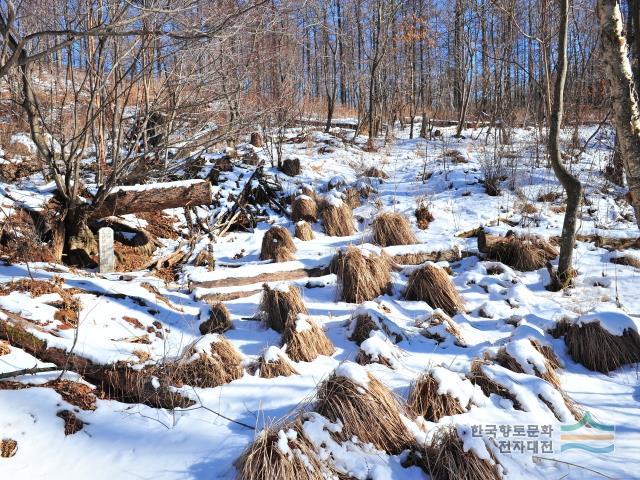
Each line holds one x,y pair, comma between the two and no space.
123,440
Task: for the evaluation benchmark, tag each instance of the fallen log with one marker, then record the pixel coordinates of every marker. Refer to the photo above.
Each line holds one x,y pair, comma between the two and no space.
151,198
117,381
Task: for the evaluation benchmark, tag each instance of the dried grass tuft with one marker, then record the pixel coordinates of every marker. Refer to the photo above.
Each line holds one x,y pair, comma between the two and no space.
361,277
207,370
445,459
305,208
629,260
304,231
219,320
596,348
265,460
431,284
305,340
525,253
423,216
337,218
277,245
552,363
374,172
363,325
489,386
425,401
392,228
5,349
372,412
352,197
268,367
281,306
8,447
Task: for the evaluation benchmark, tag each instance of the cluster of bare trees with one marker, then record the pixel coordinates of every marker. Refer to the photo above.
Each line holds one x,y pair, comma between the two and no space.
116,85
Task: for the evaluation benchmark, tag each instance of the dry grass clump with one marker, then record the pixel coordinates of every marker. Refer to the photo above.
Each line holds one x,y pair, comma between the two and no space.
437,318
374,172
304,231
361,277
197,368
423,216
337,218
273,363
264,459
305,340
370,412
445,459
8,447
219,320
596,348
305,208
456,156
205,258
72,424
352,197
551,363
425,401
281,306
392,228
363,325
489,386
277,245
291,167
521,253
629,260
5,349
432,284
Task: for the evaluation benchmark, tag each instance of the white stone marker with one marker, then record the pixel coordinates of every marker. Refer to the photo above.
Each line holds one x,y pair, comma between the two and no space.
105,247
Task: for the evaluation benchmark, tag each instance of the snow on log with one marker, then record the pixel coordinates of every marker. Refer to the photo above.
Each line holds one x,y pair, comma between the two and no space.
154,197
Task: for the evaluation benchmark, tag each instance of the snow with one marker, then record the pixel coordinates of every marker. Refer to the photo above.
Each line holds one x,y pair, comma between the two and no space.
354,372
613,322
379,347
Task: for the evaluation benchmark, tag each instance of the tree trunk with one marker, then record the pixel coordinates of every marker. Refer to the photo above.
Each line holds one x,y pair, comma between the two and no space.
625,106
570,183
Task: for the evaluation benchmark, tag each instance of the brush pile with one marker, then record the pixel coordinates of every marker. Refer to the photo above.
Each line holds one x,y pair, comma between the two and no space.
361,277
430,283
392,228
277,245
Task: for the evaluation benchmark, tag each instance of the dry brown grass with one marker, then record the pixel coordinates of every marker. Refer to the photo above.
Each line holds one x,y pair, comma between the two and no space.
431,284
456,156
362,329
221,365
361,277
551,363
337,218
425,401
352,197
423,216
72,424
525,254
629,260
489,386
372,412
219,320
264,460
445,459
437,318
8,447
277,245
363,358
304,231
305,208
374,172
392,228
272,368
291,167
281,306
596,348
5,349
305,340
